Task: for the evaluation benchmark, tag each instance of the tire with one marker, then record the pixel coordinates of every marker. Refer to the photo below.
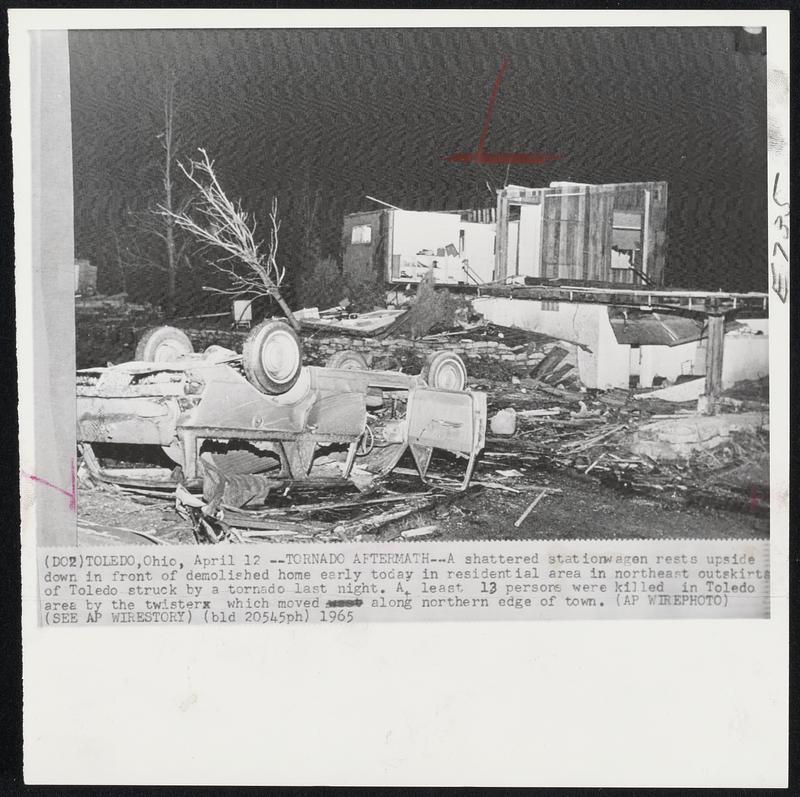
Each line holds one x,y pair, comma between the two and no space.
445,370
272,357
163,345
349,360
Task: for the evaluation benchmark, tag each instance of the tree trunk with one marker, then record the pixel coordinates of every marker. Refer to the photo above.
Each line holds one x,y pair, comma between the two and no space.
286,310
169,108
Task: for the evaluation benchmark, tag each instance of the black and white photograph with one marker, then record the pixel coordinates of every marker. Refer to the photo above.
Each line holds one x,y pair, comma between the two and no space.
399,284
352,337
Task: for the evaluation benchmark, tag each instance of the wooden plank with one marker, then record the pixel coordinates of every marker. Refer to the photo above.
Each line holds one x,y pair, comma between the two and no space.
714,351
608,214
647,233
595,256
658,232
586,221
563,238
530,508
556,376
692,302
501,247
549,238
550,361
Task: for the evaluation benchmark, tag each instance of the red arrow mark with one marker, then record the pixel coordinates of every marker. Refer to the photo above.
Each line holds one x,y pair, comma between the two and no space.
72,493
502,158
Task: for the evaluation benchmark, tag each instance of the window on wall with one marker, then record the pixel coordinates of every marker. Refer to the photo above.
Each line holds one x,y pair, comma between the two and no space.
549,304
362,234
626,239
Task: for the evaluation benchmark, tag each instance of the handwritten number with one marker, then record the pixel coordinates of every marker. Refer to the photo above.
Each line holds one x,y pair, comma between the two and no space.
780,283
780,274
775,191
777,246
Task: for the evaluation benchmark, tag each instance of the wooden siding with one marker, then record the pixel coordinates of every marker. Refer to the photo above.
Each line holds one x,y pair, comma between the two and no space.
578,230
359,257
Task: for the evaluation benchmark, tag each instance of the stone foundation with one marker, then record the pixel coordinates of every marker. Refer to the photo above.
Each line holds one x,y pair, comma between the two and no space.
488,359
100,341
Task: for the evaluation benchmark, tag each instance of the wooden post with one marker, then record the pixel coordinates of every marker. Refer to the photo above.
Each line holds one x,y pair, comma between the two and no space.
714,351
501,240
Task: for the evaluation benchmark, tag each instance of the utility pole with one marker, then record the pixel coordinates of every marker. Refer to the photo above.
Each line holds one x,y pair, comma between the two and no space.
715,331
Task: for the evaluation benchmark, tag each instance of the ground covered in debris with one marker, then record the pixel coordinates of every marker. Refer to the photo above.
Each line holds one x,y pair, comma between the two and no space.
574,507
560,461
575,465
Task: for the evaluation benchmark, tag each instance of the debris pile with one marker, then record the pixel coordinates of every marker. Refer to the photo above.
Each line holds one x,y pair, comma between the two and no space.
543,426
299,519
489,351
640,447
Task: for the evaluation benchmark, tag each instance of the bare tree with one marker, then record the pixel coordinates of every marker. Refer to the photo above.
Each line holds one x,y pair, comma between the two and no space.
149,240
123,277
167,142
142,239
223,224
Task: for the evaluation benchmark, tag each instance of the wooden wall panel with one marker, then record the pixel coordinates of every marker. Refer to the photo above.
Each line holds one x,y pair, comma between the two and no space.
564,238
608,215
359,258
577,223
551,237
586,229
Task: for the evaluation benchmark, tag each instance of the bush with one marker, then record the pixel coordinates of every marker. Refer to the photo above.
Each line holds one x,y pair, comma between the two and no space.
321,285
363,288
431,308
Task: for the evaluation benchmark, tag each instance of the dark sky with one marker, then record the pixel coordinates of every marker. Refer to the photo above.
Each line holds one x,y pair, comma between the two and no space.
355,112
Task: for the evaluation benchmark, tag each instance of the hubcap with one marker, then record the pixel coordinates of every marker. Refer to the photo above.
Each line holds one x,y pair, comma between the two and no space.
449,376
280,356
168,351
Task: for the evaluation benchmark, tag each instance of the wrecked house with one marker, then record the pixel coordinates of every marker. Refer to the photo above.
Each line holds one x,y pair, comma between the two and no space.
588,261
402,246
612,233
635,344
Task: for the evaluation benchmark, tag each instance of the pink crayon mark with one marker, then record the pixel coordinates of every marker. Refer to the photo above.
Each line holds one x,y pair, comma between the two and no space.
498,158
757,498
72,493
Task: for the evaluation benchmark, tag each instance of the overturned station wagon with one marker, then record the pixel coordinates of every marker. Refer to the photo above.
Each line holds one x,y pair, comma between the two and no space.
240,425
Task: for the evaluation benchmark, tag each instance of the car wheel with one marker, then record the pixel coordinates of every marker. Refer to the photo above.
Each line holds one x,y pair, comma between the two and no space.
163,345
445,370
348,359
272,356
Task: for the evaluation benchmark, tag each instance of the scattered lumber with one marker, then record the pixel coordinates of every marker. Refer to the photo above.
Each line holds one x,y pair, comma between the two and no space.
556,376
373,523
549,362
307,509
452,483
420,531
531,506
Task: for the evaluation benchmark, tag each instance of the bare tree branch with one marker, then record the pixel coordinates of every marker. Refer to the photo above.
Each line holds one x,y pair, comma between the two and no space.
221,223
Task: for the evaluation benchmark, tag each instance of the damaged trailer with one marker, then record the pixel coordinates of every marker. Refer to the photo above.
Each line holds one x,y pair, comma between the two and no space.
237,426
